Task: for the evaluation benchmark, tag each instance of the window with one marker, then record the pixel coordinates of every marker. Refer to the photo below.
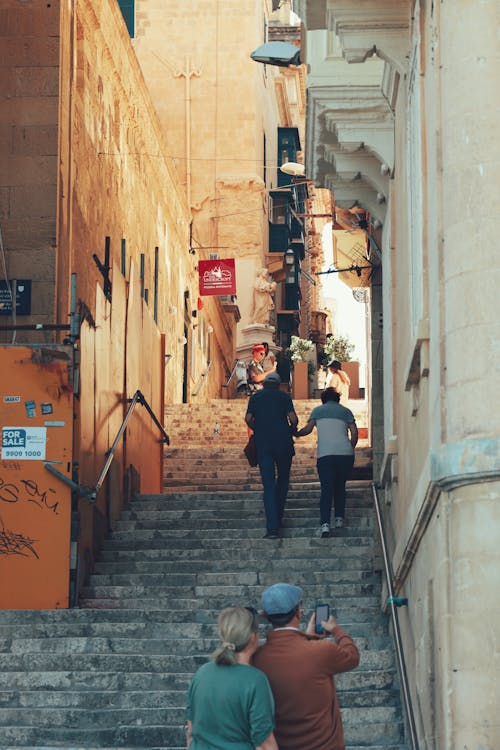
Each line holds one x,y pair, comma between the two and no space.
127,8
278,209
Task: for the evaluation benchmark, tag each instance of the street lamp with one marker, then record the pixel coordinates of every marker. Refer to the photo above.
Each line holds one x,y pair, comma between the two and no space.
282,54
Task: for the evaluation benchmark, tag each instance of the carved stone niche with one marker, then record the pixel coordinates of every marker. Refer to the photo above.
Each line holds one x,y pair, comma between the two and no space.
372,27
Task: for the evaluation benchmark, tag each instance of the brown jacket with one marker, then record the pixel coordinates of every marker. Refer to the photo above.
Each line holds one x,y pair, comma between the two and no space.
300,669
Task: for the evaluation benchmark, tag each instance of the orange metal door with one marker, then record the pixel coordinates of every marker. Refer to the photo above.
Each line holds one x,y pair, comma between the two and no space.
36,424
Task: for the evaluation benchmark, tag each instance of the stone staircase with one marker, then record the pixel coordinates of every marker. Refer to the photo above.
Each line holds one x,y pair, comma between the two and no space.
114,672
207,441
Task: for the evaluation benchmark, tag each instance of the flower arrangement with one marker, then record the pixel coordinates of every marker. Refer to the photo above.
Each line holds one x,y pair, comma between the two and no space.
298,349
297,352
338,347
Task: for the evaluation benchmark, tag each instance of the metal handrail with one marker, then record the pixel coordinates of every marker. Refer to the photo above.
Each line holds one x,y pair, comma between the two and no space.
394,602
226,384
203,378
91,492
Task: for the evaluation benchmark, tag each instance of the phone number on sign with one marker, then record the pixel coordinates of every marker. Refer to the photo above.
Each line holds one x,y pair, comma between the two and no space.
20,454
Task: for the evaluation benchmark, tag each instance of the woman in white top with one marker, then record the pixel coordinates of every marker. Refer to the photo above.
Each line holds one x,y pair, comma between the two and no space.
339,380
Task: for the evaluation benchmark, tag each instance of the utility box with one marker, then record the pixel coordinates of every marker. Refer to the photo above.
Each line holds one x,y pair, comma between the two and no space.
36,425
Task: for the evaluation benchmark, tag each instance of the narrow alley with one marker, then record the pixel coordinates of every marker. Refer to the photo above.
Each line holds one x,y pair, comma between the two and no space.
114,672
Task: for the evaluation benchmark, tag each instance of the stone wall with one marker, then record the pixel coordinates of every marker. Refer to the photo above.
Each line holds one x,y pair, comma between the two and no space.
29,60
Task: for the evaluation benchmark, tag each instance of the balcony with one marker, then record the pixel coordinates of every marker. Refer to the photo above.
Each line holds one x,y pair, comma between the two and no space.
280,221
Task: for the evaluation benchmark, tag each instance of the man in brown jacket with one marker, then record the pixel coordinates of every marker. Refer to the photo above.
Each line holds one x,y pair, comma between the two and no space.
300,667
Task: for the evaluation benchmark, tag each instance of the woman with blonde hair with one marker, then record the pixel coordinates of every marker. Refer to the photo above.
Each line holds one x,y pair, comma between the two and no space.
338,379
229,702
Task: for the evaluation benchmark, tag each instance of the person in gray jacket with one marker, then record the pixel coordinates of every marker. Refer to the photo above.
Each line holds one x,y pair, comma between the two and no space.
337,438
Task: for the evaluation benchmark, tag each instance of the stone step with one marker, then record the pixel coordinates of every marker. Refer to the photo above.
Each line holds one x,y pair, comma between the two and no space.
218,486
251,578
350,565
160,737
87,662
163,646
184,597
371,746
305,454
297,498
228,533
295,514
88,718
96,600
236,524
278,547
192,630
260,551
352,611
237,482
132,699
86,681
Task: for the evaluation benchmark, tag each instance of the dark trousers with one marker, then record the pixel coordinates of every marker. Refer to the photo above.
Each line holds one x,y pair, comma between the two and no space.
275,474
333,471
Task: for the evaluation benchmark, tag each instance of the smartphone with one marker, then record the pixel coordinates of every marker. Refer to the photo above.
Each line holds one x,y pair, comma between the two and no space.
322,614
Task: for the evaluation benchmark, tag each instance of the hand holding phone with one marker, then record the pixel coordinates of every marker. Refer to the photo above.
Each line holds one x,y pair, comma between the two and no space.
322,613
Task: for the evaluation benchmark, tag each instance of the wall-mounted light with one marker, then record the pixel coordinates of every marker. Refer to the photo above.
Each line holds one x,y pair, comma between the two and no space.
168,357
182,340
277,53
293,168
210,329
290,257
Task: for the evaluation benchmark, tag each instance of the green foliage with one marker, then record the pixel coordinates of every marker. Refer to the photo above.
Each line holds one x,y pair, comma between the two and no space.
337,347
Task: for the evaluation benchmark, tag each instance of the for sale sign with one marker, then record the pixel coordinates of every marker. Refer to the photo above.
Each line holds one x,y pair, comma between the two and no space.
24,443
217,277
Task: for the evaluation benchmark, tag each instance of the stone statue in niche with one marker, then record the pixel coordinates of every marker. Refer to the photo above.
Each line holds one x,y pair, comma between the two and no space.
262,298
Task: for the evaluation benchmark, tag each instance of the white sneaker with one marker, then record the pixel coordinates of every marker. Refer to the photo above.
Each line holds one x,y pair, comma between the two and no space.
325,530
339,522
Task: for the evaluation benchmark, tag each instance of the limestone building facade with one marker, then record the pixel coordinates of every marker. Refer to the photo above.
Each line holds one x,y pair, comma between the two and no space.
125,161
402,103
231,123
92,216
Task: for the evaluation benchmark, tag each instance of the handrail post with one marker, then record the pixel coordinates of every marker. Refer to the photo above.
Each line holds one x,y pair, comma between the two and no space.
394,602
111,452
203,379
91,492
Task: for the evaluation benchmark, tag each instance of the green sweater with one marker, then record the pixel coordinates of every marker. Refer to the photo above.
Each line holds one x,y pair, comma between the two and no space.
230,707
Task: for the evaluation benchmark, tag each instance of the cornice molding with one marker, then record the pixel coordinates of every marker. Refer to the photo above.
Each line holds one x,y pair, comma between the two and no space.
372,27
349,163
355,192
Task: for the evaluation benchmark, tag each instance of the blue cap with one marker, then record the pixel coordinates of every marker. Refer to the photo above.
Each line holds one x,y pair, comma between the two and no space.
272,377
280,598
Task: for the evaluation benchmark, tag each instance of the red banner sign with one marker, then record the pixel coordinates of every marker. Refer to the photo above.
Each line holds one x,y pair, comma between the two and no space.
217,277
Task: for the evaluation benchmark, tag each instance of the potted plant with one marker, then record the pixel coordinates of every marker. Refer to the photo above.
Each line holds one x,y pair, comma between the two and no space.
301,354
